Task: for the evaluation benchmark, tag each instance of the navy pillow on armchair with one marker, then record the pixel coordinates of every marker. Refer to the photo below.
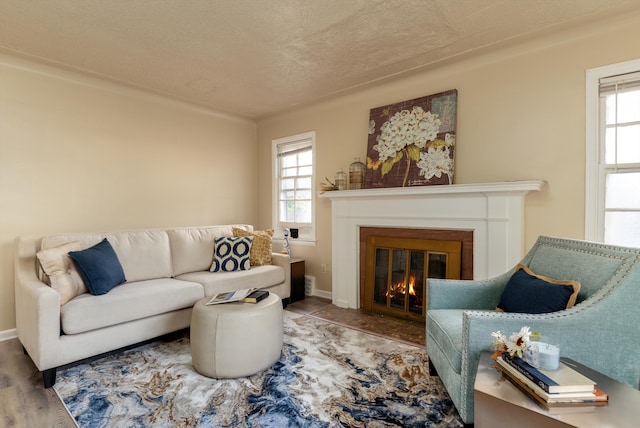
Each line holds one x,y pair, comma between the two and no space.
529,293
99,267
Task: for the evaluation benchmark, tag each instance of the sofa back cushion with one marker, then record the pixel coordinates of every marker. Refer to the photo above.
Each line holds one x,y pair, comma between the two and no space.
143,254
192,247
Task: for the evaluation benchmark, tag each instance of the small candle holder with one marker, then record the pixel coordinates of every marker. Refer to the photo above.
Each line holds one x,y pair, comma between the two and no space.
542,355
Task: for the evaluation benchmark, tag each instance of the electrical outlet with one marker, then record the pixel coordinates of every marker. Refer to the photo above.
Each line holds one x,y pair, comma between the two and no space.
324,267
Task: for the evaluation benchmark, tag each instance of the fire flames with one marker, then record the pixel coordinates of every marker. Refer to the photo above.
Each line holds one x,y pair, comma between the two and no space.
401,287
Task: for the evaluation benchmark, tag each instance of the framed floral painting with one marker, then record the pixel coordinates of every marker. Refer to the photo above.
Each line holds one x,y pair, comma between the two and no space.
412,143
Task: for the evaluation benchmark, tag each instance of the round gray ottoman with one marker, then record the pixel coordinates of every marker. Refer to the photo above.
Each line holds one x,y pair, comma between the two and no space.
236,339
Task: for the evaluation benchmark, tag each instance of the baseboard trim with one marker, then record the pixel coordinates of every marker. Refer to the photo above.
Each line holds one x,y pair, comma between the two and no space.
322,293
8,334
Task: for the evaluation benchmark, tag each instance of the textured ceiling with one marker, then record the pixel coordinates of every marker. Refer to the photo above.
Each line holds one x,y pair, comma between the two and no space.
258,57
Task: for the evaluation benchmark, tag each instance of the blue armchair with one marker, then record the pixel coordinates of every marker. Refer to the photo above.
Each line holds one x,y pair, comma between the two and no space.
600,331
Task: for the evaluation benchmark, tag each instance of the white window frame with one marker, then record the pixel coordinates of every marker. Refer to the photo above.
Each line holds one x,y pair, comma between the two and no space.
307,234
594,173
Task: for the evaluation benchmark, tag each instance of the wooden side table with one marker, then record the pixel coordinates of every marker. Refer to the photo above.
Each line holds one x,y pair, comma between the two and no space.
297,279
498,403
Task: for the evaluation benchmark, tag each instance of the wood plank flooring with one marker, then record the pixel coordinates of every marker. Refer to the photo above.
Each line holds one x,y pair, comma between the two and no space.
407,331
24,402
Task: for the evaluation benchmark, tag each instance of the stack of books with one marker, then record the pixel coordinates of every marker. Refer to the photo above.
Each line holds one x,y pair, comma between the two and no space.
564,387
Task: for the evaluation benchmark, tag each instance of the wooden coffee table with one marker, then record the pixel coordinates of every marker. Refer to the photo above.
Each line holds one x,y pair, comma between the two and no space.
498,403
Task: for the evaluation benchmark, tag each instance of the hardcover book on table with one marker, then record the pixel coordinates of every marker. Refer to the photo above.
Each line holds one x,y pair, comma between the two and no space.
564,379
594,397
556,408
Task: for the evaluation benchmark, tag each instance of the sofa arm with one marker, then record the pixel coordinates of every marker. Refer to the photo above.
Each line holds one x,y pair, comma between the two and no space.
465,294
283,261
37,308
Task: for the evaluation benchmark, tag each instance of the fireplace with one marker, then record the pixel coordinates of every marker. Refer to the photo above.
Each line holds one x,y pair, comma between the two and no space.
396,262
492,212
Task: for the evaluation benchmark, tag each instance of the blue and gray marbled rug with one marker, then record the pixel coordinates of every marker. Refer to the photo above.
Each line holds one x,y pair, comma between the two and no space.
327,376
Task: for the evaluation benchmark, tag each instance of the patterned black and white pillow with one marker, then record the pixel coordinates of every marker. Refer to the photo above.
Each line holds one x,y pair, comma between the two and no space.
232,254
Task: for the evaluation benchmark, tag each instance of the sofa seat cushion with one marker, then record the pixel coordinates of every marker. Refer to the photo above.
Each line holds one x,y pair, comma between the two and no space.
218,282
445,327
128,302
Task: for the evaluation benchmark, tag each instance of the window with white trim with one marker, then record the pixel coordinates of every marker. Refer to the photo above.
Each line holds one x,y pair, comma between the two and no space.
294,188
613,154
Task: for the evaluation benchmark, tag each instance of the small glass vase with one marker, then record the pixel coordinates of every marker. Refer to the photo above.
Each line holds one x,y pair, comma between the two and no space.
341,180
356,174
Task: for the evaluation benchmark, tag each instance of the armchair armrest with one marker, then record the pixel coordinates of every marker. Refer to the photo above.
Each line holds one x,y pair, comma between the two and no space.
578,331
37,308
465,294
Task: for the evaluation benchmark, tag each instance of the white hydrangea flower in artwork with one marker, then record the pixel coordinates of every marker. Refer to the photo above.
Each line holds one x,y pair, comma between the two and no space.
450,139
372,127
435,162
405,128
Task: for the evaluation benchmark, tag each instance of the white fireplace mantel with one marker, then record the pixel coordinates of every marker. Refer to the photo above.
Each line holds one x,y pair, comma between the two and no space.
493,211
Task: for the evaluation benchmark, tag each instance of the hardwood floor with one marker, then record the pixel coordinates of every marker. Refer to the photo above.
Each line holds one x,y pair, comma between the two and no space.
407,331
25,403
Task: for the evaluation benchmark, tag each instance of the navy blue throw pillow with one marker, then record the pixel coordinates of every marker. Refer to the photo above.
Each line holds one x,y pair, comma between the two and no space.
99,267
529,293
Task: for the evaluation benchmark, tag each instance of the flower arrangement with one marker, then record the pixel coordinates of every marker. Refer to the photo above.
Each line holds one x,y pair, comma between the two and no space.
515,345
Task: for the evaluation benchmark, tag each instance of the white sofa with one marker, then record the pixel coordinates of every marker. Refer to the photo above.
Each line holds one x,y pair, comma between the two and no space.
167,272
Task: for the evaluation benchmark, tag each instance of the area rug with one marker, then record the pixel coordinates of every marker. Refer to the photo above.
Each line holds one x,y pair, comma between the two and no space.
328,376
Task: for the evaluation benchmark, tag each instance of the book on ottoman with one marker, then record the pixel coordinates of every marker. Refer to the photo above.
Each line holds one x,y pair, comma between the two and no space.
231,296
256,296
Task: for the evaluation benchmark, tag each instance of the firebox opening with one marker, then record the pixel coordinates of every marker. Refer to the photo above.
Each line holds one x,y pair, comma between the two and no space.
396,269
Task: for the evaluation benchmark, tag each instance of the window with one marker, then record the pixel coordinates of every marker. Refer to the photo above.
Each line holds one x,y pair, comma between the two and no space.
294,189
613,154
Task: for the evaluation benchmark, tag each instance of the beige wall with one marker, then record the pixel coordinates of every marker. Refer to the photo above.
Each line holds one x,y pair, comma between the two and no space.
521,116
78,154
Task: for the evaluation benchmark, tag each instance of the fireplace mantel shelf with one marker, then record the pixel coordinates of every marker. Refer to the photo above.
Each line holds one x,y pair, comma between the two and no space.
494,212
453,189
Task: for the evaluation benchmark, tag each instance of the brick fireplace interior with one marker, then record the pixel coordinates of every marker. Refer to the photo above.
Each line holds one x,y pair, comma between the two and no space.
395,264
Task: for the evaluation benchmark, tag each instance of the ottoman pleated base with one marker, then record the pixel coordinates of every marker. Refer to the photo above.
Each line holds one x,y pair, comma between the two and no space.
236,339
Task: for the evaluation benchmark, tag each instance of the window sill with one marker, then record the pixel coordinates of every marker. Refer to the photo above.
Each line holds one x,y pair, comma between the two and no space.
298,242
